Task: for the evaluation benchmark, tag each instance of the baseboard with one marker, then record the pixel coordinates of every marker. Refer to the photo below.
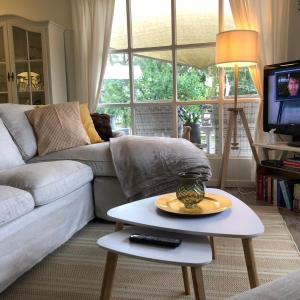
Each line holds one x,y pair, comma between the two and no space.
231,183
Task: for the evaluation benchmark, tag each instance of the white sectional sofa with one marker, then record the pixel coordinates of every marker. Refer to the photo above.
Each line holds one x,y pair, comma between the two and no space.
45,200
106,187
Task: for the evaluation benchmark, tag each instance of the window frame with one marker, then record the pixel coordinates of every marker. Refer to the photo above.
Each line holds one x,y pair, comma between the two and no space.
220,100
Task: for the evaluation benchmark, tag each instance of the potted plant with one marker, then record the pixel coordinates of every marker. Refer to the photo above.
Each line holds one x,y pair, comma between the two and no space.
192,119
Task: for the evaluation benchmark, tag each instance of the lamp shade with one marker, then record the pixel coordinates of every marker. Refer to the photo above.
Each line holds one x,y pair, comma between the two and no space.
236,47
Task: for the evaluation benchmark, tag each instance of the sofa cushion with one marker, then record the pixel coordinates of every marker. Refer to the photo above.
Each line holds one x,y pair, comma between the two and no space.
47,181
14,203
58,127
9,153
285,288
19,127
88,124
97,156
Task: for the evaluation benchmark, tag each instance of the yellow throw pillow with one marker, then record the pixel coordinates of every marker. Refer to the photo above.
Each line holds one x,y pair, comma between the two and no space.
88,124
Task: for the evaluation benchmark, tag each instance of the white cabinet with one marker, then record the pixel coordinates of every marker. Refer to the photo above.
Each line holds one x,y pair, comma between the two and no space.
32,62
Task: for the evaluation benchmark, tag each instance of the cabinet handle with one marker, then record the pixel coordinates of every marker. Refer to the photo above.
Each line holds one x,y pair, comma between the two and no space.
12,76
8,76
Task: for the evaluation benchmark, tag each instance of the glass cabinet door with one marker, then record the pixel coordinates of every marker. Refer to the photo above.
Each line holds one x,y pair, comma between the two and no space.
3,70
28,66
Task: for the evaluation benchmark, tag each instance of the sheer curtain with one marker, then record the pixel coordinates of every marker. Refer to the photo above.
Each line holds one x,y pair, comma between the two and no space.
271,19
92,22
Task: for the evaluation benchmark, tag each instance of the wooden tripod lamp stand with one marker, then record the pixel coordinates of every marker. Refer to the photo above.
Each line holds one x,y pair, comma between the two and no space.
235,48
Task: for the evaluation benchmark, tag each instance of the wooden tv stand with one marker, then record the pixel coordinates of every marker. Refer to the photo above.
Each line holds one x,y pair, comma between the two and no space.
282,151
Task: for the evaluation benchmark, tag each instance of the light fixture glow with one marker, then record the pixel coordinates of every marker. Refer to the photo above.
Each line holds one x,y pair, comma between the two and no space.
236,47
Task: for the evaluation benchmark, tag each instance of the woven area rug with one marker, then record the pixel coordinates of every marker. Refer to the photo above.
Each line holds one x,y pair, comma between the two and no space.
74,271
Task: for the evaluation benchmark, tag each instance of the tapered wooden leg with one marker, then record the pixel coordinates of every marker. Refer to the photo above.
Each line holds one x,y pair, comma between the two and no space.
225,156
108,277
198,283
186,280
119,226
213,247
110,269
250,262
248,133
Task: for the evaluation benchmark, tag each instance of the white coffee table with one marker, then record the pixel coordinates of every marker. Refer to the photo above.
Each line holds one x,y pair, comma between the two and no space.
240,221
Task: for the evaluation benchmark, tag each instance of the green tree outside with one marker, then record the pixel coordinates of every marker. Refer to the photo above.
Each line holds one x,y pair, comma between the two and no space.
155,83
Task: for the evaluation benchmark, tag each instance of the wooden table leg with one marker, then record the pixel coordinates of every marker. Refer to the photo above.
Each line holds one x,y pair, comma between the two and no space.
250,262
198,283
119,226
109,270
186,280
213,247
108,277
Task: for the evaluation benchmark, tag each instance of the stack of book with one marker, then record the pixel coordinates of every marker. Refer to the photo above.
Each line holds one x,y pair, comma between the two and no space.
279,192
293,163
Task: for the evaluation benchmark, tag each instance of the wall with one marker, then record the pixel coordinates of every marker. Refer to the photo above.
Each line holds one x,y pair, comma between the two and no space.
240,171
58,11
294,26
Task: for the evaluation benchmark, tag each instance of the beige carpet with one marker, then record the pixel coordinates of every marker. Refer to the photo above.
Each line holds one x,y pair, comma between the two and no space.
74,271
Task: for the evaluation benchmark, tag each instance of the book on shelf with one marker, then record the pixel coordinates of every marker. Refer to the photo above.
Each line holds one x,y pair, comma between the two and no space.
280,200
285,193
279,192
296,202
291,164
296,158
269,190
275,191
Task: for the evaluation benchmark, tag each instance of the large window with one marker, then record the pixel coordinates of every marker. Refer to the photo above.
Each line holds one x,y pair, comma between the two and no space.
161,72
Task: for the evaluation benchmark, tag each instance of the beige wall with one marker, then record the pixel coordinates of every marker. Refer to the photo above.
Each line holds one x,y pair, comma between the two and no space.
294,26
58,11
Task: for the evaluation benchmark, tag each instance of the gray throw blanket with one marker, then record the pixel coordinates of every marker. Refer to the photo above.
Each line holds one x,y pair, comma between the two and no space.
148,166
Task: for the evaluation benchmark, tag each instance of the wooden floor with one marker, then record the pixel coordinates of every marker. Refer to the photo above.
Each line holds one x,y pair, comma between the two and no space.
292,219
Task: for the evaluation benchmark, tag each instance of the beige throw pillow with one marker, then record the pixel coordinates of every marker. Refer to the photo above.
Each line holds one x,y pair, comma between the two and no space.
58,127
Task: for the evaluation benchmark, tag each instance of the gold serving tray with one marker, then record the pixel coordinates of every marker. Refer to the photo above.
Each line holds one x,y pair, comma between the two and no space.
211,204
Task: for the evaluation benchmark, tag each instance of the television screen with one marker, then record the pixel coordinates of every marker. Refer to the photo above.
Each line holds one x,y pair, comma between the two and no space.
282,93
287,85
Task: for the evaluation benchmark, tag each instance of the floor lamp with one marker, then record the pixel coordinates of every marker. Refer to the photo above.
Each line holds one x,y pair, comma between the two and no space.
235,48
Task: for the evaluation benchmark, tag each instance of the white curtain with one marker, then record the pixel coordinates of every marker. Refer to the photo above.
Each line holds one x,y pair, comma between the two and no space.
92,22
271,19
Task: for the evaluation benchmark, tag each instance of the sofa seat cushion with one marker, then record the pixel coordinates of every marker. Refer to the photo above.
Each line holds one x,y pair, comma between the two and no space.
97,156
48,181
14,203
285,288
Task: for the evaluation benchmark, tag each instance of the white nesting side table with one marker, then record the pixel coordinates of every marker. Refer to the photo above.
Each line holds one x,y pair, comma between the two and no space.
240,221
194,251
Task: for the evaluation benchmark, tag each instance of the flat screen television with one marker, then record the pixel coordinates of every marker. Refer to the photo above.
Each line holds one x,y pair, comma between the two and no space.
282,99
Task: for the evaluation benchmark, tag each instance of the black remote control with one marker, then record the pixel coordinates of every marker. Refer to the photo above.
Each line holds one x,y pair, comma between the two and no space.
154,240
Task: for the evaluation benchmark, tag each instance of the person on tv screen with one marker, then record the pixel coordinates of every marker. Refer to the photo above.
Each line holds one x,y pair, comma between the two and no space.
293,84
290,109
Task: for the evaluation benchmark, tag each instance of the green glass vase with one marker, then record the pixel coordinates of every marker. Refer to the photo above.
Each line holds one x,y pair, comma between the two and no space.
190,189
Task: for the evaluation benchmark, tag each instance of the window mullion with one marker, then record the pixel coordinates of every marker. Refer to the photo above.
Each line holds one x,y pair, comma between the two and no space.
130,60
174,67
221,85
